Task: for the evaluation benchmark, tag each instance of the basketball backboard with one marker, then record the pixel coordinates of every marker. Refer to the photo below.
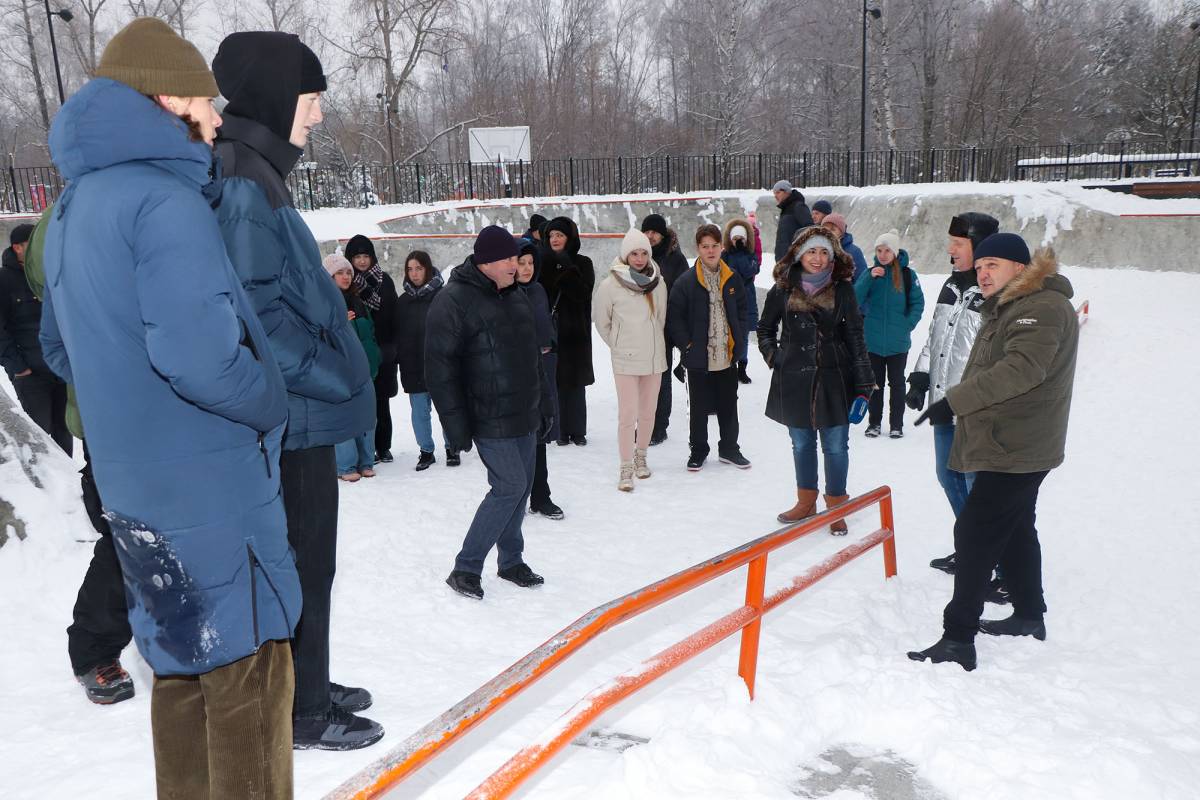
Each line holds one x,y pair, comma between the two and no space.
489,145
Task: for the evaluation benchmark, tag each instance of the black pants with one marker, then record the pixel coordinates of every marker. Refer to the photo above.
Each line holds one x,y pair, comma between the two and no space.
572,409
892,368
662,415
383,420
309,484
996,527
541,478
710,392
100,627
44,398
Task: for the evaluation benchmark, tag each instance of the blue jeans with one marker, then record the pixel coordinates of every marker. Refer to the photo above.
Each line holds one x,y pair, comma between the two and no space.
497,523
356,454
956,485
835,446
422,421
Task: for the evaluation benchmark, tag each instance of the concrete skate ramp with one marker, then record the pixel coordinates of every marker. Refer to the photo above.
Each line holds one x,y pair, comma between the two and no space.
1087,227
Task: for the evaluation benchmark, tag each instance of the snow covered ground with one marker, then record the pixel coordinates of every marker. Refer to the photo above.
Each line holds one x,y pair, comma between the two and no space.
1105,709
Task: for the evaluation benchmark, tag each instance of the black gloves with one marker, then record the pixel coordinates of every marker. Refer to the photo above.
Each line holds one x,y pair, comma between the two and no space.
940,408
918,387
545,428
679,372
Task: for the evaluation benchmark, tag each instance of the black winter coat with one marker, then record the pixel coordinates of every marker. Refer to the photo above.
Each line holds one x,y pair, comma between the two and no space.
794,216
388,338
20,321
409,323
569,279
819,362
670,259
482,361
688,315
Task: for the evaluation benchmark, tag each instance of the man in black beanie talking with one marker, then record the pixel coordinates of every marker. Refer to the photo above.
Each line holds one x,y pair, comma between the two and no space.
273,83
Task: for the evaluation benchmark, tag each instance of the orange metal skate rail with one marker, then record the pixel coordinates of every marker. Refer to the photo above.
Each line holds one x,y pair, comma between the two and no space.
418,749
1085,308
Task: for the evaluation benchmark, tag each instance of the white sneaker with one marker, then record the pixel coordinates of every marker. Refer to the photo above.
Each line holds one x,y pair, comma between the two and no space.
640,468
625,482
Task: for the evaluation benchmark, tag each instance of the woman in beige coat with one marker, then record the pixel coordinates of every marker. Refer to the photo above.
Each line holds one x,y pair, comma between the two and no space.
630,310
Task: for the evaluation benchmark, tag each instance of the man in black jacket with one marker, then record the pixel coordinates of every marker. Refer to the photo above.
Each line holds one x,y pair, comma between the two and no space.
40,392
794,216
483,368
672,263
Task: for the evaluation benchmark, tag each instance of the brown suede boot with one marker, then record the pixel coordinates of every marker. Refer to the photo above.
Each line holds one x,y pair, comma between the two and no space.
833,501
806,506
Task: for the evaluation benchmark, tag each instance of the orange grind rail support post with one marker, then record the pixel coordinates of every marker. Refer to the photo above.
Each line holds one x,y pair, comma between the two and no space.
756,587
888,523
1083,312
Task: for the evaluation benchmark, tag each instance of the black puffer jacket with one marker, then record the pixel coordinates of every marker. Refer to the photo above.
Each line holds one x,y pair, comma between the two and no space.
569,279
20,320
819,361
670,259
482,361
412,309
794,217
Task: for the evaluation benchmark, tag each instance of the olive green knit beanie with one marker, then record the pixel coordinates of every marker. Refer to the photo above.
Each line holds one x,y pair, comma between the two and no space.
149,56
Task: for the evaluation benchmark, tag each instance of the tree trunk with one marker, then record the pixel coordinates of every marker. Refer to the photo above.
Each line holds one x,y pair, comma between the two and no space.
39,87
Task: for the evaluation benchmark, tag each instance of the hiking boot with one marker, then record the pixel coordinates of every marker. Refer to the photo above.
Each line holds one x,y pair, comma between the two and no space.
896,433
743,378
640,468
695,461
625,478
465,583
426,460
736,458
1014,626
806,506
349,698
349,477
522,576
873,432
944,651
106,683
997,593
833,501
335,730
453,458
384,457
658,438
945,563
547,509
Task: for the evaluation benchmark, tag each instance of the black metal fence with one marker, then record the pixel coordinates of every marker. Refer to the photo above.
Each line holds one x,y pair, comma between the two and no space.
30,189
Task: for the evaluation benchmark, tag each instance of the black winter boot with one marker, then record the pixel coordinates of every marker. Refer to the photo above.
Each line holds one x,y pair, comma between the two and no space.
547,509
335,730
349,698
453,459
522,576
946,650
465,583
1014,626
945,564
425,461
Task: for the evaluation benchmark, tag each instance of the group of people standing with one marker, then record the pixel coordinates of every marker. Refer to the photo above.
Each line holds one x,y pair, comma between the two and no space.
225,376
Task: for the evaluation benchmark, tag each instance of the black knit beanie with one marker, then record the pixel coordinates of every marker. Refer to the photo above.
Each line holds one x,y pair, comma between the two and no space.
656,223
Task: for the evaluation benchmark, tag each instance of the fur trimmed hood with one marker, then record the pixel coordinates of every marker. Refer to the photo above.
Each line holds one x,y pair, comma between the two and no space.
727,241
798,299
1042,273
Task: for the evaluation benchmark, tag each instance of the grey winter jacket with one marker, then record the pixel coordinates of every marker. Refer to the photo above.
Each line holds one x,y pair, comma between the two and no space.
952,332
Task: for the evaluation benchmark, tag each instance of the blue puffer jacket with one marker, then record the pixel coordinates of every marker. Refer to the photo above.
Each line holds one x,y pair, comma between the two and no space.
183,403
855,252
891,313
330,394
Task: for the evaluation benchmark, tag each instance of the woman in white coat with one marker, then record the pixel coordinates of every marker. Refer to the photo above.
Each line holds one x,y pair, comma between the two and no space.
630,310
